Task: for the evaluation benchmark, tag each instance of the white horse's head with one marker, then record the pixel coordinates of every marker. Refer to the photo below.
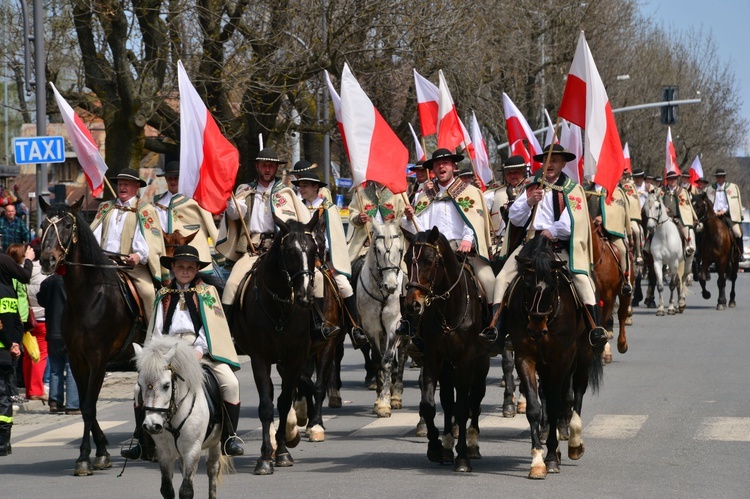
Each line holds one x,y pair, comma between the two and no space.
388,245
655,212
167,371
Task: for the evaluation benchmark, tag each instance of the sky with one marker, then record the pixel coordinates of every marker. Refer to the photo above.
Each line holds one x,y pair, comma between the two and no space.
727,20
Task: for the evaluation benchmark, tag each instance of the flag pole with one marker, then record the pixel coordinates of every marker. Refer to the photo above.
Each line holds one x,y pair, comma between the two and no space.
544,166
244,225
361,207
106,181
414,220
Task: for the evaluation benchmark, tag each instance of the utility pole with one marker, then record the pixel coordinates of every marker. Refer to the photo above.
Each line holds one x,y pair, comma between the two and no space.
326,117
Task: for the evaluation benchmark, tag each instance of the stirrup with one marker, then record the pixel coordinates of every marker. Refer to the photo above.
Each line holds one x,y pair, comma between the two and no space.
627,289
359,338
133,453
598,337
231,447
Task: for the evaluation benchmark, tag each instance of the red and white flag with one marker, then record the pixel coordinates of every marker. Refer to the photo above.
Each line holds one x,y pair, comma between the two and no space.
626,155
696,171
420,155
92,163
208,161
428,96
572,140
375,151
336,100
450,130
518,129
551,133
482,157
671,157
585,103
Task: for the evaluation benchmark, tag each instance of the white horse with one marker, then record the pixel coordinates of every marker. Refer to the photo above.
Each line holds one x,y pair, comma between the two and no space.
171,381
666,249
378,291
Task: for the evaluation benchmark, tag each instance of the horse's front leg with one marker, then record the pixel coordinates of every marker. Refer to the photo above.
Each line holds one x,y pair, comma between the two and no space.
397,385
476,395
721,282
262,376
287,435
509,405
526,369
461,412
382,407
623,312
659,288
188,465
82,374
448,403
213,468
166,465
316,430
553,389
427,411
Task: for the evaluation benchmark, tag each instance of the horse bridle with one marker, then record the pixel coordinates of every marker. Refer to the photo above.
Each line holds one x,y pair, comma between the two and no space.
290,278
533,309
656,219
73,239
383,270
170,411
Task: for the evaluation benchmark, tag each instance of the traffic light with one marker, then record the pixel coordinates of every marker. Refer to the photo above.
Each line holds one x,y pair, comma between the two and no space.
669,113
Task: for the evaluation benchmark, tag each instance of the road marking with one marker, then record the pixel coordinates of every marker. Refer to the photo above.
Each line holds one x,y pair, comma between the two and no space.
407,421
64,435
724,429
616,426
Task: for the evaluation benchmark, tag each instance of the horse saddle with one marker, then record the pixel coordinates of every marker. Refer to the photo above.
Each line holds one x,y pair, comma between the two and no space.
473,277
246,281
213,397
129,293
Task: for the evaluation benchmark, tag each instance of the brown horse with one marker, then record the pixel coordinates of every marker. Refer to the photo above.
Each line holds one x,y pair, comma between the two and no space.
549,339
99,325
716,246
609,281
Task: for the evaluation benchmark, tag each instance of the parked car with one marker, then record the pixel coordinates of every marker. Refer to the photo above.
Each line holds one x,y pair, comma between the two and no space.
746,243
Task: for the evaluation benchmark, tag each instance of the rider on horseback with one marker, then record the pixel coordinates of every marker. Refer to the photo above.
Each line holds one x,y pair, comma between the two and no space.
728,205
336,255
679,208
554,206
189,309
500,199
635,200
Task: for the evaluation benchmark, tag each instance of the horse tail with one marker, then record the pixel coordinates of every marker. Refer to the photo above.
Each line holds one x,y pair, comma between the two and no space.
226,467
596,370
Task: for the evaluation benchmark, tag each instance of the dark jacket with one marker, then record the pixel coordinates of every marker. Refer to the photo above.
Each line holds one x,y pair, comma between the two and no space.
52,297
12,328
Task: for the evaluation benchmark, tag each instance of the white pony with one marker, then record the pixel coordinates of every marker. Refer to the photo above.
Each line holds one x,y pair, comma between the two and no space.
378,290
171,381
666,249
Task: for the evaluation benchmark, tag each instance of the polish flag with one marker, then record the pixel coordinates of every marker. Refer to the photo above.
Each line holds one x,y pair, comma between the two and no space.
518,129
696,171
571,139
336,100
208,161
671,162
420,155
482,159
450,130
550,131
83,143
585,103
375,152
428,97
519,149
626,155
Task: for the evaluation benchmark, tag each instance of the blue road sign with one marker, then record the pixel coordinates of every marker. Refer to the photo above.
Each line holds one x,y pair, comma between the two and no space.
344,182
31,150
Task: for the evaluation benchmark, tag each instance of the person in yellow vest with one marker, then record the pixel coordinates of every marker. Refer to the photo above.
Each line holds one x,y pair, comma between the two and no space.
257,203
554,206
132,231
613,216
191,310
679,208
459,211
371,200
634,211
727,202
179,213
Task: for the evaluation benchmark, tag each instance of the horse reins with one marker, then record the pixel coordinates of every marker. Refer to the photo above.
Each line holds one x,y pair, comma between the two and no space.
73,239
173,406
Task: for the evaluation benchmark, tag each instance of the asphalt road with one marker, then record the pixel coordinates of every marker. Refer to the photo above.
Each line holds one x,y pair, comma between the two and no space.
672,420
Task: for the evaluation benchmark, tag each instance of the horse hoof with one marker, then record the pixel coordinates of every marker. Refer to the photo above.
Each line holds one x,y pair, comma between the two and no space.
462,466
316,434
607,358
102,462
473,452
372,386
334,402
706,295
629,321
650,305
563,433
521,409
552,467
660,313
720,307
671,311
538,472
263,467
294,441
435,453
732,304
383,411
509,410
576,453
396,403
622,348
284,460
83,468
421,430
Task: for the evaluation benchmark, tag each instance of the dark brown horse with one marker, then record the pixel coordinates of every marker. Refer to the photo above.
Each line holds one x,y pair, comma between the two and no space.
98,326
273,327
716,246
441,291
549,339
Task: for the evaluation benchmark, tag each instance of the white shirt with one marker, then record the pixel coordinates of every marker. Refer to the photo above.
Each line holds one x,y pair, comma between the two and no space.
443,215
642,192
520,211
181,323
261,219
162,212
721,203
114,232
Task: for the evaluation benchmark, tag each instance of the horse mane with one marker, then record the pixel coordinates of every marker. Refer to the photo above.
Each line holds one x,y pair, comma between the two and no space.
152,361
540,255
90,250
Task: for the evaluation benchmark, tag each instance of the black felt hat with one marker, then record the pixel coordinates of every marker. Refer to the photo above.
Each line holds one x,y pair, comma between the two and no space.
720,173
171,170
638,173
442,154
309,177
515,162
268,154
556,149
184,253
303,166
129,174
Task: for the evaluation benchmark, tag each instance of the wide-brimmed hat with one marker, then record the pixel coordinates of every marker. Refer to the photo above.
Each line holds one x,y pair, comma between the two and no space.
650,177
303,166
171,170
442,153
720,173
184,253
515,162
129,174
672,174
466,172
638,173
658,179
418,166
685,175
309,177
703,181
556,149
268,154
